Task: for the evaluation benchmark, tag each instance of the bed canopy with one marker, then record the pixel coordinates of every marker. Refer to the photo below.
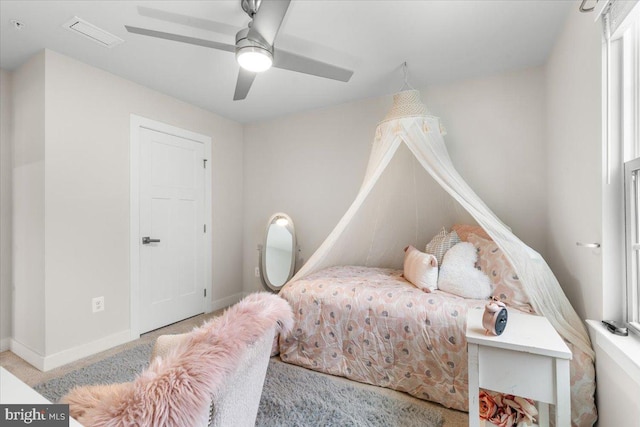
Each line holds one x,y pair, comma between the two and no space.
398,204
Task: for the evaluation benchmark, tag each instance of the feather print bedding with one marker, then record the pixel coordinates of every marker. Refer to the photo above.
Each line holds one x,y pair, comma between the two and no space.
372,326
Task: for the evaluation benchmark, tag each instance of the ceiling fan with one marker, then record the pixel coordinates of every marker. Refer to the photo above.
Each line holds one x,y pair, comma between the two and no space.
254,48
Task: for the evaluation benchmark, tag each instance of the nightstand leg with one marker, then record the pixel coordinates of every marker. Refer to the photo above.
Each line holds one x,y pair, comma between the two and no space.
474,386
543,414
563,393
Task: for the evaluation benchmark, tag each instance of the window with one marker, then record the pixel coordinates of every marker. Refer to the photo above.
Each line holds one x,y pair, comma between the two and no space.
628,100
632,231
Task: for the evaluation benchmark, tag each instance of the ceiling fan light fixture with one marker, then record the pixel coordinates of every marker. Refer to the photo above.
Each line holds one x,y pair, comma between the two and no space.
254,58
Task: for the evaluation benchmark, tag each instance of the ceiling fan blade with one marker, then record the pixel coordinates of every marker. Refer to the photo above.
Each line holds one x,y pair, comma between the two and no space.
268,19
245,79
190,21
291,61
179,38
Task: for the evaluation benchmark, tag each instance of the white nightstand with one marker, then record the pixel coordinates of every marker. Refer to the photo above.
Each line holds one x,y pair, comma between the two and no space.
529,360
14,391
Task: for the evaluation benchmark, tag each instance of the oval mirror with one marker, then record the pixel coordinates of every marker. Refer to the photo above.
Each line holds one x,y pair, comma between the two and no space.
278,254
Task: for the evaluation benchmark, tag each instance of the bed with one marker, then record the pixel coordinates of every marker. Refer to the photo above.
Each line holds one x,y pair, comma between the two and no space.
371,325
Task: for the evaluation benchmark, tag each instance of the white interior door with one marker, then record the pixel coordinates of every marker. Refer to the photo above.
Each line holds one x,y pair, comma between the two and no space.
172,235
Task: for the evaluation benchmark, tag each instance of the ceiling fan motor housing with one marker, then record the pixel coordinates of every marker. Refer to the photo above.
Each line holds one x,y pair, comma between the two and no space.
243,39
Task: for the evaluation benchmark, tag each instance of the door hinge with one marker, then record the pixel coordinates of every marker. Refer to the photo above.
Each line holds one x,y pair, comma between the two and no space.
205,228
205,292
204,163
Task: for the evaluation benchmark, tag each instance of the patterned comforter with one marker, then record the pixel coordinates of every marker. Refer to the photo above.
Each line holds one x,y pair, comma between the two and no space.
371,325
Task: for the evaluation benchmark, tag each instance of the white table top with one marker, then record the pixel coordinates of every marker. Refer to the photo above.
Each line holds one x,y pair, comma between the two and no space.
524,332
14,391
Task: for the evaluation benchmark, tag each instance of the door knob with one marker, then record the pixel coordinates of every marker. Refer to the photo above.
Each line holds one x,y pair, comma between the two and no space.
147,240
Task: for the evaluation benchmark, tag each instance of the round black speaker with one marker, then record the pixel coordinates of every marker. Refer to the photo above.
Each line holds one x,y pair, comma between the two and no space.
501,321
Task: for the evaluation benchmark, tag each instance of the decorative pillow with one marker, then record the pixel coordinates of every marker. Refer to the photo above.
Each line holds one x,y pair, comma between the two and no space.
441,243
464,230
421,269
506,284
459,276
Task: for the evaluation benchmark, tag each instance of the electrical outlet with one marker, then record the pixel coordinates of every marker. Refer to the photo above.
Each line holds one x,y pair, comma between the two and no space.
257,272
97,304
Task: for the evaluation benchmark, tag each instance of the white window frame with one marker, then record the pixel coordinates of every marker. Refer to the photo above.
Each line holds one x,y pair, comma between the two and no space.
632,229
628,99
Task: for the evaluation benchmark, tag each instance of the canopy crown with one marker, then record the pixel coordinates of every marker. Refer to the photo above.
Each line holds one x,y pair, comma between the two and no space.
407,104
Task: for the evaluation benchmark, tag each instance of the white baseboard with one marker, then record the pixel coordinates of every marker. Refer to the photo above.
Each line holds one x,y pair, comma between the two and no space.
71,355
226,302
28,355
5,344
46,363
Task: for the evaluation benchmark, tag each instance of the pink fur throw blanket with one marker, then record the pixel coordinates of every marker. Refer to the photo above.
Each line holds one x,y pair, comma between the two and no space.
174,390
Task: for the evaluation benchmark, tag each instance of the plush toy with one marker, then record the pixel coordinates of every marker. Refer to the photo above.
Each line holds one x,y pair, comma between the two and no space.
458,274
420,269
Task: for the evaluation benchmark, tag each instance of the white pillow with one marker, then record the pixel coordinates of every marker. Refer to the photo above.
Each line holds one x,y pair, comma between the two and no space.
421,269
459,276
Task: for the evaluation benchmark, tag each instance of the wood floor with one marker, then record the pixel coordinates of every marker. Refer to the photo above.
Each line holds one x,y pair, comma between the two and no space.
33,376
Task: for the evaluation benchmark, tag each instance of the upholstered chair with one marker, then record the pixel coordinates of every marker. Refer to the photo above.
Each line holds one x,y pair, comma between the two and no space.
212,375
236,403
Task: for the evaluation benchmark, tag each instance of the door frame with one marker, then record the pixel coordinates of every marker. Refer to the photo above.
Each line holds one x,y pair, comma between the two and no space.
138,123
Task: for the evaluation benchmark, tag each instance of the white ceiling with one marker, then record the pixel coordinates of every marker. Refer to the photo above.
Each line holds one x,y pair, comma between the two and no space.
441,41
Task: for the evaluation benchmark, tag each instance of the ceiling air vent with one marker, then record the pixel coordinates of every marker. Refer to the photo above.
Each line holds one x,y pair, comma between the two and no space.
90,31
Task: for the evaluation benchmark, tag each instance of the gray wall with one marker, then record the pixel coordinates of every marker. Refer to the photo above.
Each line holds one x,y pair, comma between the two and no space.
85,165
311,165
28,237
5,209
574,163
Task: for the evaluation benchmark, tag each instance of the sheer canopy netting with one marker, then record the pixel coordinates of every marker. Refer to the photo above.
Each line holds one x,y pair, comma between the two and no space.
395,207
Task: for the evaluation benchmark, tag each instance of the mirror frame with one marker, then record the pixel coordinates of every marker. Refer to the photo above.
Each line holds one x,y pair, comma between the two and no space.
263,252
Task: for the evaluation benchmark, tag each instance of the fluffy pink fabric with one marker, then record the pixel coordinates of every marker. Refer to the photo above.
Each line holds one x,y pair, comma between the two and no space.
175,389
